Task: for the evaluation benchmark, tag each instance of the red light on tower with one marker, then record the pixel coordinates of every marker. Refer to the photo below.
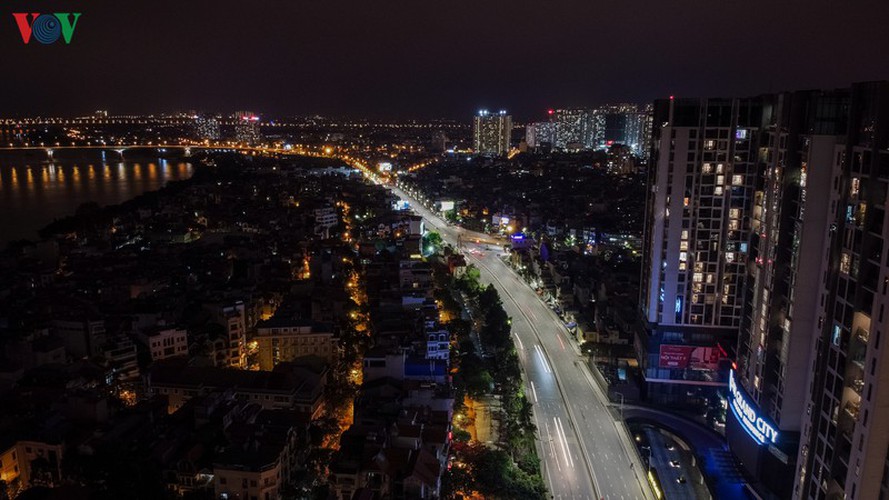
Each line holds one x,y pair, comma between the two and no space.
550,112
671,97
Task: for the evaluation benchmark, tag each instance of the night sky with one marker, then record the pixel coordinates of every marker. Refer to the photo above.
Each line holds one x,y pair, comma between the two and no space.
426,58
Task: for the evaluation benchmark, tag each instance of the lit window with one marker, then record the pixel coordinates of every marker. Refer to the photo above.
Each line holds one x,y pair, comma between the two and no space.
845,263
837,335
737,180
697,277
717,190
856,185
707,168
683,245
730,256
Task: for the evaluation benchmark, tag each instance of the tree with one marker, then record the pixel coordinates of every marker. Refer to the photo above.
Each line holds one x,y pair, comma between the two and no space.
432,242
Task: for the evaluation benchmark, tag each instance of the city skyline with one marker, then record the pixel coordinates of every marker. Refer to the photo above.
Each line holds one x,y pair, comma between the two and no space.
387,60
351,250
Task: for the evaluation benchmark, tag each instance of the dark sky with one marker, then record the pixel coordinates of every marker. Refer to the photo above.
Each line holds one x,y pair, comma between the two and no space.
431,58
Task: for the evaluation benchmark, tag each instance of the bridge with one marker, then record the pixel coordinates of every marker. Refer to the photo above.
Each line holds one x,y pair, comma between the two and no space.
296,149
120,149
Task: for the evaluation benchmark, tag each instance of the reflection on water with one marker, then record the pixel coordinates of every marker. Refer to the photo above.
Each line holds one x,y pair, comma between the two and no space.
33,194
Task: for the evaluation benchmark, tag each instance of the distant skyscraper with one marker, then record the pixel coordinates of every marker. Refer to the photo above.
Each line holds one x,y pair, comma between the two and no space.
491,133
247,128
598,128
627,124
540,134
573,128
206,128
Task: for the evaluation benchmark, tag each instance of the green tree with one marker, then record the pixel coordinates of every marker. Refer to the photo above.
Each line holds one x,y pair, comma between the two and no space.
432,242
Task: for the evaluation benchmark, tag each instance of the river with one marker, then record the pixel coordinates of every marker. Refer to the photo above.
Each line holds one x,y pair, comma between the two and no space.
34,191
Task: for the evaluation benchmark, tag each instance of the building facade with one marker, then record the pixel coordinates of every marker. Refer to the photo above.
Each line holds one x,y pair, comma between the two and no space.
845,431
701,179
284,339
765,225
491,133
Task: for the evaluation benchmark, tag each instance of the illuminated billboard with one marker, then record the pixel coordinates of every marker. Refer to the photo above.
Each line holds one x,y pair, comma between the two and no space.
384,167
748,415
689,357
447,205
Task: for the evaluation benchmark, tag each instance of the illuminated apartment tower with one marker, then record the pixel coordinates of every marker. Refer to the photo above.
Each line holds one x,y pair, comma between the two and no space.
206,128
701,179
787,262
540,134
845,431
572,128
491,133
247,128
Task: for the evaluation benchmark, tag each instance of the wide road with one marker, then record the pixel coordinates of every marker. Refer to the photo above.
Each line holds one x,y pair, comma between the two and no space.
586,453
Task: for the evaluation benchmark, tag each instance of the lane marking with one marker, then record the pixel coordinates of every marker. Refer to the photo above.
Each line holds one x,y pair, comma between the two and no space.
534,391
519,340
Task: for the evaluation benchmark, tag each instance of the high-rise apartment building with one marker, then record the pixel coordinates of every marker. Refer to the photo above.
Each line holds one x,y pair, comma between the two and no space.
247,128
572,128
624,123
790,218
845,431
491,133
700,181
764,243
540,134
597,128
206,128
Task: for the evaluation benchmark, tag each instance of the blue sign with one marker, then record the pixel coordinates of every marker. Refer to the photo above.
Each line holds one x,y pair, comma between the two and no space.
518,237
756,425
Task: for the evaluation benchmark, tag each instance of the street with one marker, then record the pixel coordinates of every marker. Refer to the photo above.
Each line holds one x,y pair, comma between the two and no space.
585,452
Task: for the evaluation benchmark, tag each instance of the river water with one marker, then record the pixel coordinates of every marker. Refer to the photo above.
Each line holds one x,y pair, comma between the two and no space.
34,190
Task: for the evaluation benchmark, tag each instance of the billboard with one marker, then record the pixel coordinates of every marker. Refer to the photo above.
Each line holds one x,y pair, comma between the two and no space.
689,357
757,425
447,205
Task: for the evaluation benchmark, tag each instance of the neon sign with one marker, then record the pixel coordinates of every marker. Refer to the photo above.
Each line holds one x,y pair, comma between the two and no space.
748,416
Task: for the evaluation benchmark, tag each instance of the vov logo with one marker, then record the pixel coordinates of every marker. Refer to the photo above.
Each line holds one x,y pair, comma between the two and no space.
46,28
